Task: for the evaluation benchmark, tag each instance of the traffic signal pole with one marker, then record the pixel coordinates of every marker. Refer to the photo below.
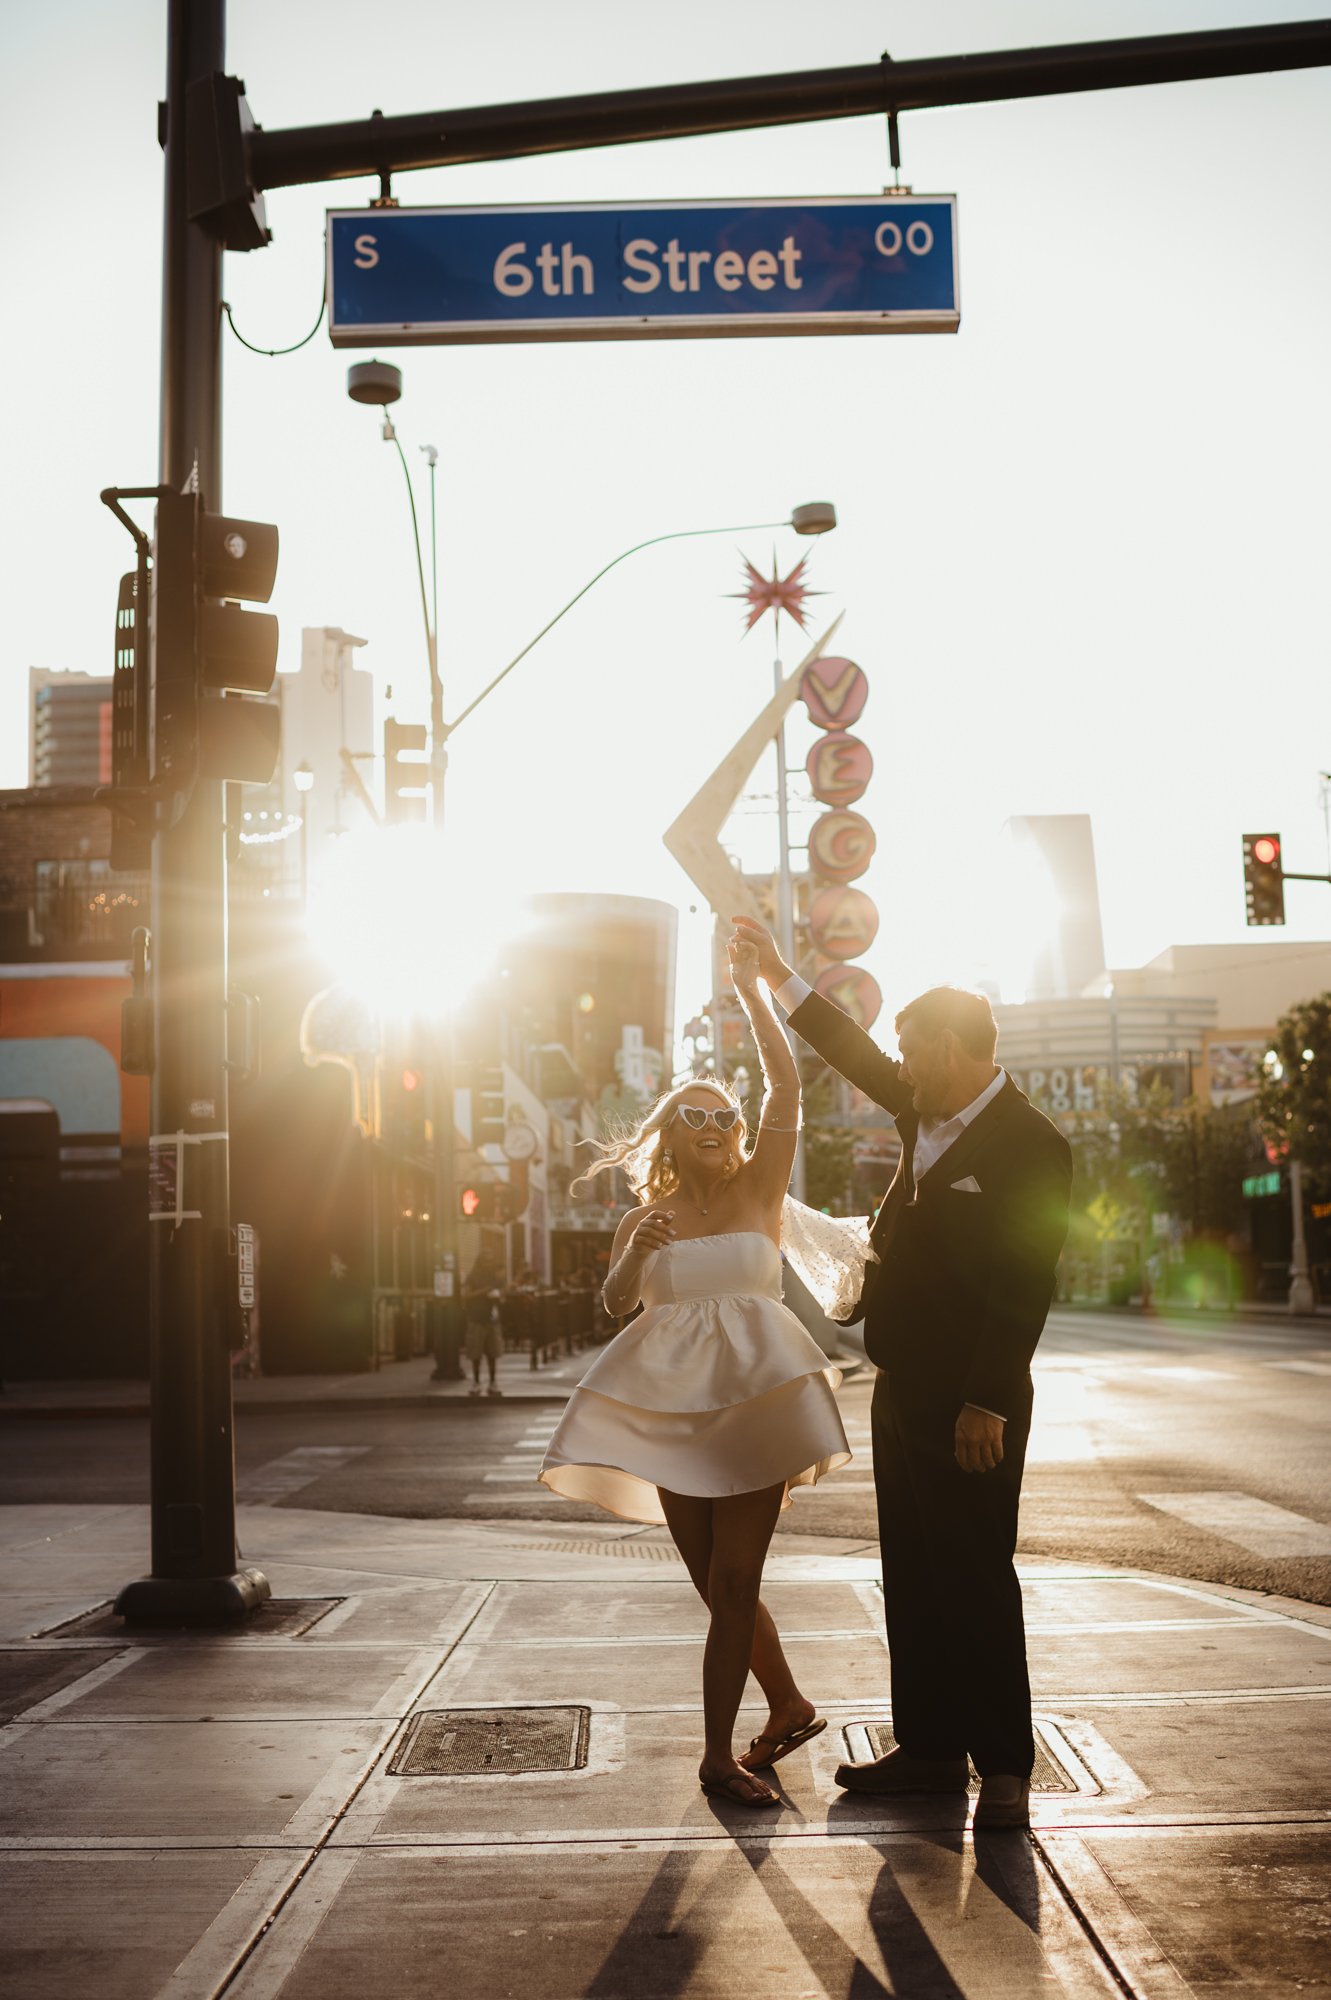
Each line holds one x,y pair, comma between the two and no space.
195,1577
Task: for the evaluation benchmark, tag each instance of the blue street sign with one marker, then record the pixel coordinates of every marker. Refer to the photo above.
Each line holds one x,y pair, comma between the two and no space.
655,270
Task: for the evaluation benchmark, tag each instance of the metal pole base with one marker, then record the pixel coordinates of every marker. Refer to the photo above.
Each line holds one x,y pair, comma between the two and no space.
1301,1298
193,1600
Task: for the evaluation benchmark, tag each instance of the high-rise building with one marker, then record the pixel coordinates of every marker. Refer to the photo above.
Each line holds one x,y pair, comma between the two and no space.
327,707
1056,894
589,969
69,728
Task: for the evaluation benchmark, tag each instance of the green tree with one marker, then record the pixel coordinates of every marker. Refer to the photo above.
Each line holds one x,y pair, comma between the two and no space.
1295,1095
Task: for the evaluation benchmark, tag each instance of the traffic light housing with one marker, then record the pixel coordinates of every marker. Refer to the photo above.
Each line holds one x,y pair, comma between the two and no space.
211,657
1263,878
406,774
488,1121
131,834
489,1201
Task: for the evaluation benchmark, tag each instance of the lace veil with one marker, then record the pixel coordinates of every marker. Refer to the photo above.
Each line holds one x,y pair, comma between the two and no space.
829,1252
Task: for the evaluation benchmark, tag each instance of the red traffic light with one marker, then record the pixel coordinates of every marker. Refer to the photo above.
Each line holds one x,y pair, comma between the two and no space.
1266,849
411,1079
470,1201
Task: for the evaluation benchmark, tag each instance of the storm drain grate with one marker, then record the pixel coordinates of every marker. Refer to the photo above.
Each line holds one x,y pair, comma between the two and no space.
1047,1776
487,1742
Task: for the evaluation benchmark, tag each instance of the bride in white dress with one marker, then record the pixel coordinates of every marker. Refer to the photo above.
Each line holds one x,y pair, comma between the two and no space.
714,1401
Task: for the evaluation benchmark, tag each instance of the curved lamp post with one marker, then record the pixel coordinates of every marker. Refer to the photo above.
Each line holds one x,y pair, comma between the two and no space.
379,383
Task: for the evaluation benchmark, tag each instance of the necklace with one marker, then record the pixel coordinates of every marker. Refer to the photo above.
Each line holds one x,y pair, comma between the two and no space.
698,1205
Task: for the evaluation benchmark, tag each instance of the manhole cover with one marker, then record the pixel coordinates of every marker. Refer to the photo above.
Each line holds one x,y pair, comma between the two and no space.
484,1742
275,1618
1047,1776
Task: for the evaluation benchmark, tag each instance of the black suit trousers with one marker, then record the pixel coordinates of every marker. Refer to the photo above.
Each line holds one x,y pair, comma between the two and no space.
954,1621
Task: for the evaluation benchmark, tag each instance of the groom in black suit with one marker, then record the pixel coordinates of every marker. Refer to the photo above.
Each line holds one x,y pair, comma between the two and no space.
968,1237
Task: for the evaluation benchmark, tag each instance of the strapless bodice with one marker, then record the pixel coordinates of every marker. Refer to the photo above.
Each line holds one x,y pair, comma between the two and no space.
741,1263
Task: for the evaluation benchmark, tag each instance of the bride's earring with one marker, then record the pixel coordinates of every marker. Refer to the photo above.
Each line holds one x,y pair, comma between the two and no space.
667,1158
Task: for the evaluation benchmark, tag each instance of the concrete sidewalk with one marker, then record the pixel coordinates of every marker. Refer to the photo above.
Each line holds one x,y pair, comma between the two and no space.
318,1805
395,1385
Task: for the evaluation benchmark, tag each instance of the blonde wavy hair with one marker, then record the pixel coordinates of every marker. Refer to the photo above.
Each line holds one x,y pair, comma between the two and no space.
641,1150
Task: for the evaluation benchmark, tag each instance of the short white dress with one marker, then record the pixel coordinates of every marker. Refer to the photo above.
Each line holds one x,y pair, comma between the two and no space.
715,1388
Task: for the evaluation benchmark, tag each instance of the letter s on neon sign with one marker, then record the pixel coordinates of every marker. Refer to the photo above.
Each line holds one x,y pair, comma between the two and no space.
367,255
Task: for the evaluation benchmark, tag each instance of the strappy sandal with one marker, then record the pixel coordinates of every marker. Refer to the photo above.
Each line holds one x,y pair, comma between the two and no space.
783,1745
724,1788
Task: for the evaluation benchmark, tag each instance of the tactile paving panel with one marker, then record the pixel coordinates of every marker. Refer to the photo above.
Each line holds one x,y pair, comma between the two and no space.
486,1742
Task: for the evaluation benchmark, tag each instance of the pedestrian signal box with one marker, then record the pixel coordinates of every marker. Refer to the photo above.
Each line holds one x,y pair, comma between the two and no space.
1263,878
489,1201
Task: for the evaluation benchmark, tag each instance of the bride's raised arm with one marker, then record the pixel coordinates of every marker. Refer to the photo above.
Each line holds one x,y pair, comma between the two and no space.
778,1125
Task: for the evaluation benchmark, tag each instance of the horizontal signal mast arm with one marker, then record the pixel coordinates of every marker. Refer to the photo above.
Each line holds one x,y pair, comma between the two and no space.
379,145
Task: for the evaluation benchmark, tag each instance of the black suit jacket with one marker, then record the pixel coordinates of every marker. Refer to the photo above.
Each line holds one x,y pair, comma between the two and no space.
959,1298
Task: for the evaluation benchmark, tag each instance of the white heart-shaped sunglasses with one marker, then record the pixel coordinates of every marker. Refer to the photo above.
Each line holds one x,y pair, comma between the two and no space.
723,1117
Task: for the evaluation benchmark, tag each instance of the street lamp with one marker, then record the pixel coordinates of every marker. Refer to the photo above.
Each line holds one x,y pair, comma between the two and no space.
303,779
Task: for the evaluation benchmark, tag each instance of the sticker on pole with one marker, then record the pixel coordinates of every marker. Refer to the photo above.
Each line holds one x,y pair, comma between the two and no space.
650,270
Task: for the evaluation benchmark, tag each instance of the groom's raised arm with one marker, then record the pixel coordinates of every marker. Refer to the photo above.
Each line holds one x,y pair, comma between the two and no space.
827,1028
844,1044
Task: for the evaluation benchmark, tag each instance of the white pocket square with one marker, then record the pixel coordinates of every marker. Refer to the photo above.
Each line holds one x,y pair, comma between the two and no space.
969,1186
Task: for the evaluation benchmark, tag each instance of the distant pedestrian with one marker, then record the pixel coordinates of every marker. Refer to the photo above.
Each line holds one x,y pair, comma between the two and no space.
485,1337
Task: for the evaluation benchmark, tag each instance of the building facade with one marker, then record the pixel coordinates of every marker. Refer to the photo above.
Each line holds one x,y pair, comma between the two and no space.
69,728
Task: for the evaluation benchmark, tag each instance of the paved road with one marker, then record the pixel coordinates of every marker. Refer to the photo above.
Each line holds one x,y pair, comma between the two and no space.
1197,1450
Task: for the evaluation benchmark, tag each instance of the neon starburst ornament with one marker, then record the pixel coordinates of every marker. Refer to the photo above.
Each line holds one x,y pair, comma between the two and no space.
776,593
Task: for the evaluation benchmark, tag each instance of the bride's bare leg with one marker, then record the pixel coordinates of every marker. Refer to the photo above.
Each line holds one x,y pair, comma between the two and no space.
742,1527
690,1524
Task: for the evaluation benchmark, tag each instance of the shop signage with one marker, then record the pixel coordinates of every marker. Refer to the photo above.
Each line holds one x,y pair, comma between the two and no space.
839,768
843,923
841,846
854,990
834,692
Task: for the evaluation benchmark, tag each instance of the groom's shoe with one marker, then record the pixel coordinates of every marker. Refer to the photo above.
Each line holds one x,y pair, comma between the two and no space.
1003,1801
897,1775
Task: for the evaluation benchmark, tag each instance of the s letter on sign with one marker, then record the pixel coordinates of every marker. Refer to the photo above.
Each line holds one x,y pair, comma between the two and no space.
852,989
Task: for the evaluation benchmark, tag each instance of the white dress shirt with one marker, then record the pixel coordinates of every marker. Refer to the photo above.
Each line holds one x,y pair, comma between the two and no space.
935,1135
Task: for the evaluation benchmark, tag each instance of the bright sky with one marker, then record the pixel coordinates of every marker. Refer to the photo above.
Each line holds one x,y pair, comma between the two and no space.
1083,544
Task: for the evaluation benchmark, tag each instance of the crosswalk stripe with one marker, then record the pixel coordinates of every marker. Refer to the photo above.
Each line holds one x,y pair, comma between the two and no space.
1253,1524
537,1493
1303,1367
295,1469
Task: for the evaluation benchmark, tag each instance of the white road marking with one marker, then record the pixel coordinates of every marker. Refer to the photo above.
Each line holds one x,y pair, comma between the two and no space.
537,1493
295,1469
1253,1524
1302,1367
511,1478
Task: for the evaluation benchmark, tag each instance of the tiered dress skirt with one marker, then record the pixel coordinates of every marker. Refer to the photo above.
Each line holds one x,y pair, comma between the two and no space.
715,1389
